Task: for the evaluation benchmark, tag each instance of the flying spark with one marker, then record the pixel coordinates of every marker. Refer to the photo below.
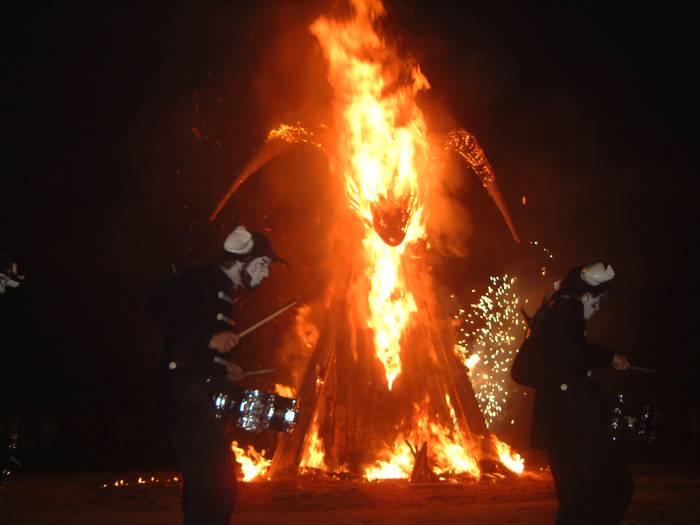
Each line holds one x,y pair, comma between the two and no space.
488,337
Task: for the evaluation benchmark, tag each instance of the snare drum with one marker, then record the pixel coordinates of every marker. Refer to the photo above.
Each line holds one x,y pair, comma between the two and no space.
257,410
632,420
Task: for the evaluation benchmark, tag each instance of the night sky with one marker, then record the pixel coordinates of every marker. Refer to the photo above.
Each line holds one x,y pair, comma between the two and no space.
125,124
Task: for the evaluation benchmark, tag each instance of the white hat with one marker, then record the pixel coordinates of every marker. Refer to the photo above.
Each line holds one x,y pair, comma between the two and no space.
239,241
594,276
597,273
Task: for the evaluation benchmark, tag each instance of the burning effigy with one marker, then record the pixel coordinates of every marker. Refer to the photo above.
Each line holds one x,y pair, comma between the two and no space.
385,393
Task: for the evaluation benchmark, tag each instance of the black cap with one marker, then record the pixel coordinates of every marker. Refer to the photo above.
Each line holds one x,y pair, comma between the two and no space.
262,247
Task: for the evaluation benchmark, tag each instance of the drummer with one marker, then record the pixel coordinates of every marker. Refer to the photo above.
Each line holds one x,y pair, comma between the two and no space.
592,481
188,309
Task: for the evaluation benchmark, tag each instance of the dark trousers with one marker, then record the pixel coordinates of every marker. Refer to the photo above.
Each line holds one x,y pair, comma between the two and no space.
592,481
208,473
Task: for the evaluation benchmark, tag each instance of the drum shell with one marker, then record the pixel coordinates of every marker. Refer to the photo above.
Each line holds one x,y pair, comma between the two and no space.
256,410
632,420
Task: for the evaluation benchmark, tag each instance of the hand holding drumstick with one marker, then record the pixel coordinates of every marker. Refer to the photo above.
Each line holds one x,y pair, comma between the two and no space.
620,362
224,342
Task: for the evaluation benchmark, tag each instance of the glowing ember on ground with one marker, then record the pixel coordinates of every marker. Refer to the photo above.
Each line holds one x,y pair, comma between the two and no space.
149,480
546,254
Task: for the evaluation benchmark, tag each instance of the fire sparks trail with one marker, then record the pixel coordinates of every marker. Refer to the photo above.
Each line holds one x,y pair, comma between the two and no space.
297,134
487,346
546,254
465,144
277,141
383,146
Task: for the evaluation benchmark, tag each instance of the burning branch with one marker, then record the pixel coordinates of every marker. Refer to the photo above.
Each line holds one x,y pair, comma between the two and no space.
278,141
422,473
465,145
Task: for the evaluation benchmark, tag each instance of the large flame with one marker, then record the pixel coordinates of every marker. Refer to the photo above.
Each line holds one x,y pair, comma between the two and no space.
447,452
382,149
378,144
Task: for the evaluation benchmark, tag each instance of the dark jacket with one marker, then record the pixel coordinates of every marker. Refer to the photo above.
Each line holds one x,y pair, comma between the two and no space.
186,310
557,360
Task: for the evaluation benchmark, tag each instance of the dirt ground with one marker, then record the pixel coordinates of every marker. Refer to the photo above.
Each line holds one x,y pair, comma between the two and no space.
668,493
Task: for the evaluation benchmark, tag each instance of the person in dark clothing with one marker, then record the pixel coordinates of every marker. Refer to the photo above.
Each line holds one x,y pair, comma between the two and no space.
9,278
187,309
592,481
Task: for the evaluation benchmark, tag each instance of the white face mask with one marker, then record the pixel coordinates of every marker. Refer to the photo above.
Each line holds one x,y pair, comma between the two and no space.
590,305
256,271
11,279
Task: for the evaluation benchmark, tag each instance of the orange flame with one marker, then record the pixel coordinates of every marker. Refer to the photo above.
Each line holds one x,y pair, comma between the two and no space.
313,457
511,460
398,464
284,390
446,450
253,464
382,149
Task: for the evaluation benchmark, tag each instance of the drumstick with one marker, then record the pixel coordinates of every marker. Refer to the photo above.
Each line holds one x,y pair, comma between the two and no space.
258,372
221,361
257,325
641,369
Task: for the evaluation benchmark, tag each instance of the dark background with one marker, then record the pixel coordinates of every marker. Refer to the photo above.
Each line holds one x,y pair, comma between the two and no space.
124,124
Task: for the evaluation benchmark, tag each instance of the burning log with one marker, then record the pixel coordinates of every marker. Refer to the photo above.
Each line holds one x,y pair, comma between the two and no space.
469,413
288,454
278,141
422,473
466,146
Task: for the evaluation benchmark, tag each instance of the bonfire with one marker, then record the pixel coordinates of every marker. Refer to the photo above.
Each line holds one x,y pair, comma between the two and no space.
385,392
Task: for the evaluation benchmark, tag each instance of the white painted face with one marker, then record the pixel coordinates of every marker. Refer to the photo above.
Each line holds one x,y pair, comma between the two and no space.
590,305
10,279
256,271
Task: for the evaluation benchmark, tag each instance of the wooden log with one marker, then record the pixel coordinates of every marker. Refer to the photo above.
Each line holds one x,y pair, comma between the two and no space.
421,473
467,410
290,447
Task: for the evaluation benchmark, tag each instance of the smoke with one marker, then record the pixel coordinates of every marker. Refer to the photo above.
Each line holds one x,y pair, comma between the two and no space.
449,222
297,345
290,82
